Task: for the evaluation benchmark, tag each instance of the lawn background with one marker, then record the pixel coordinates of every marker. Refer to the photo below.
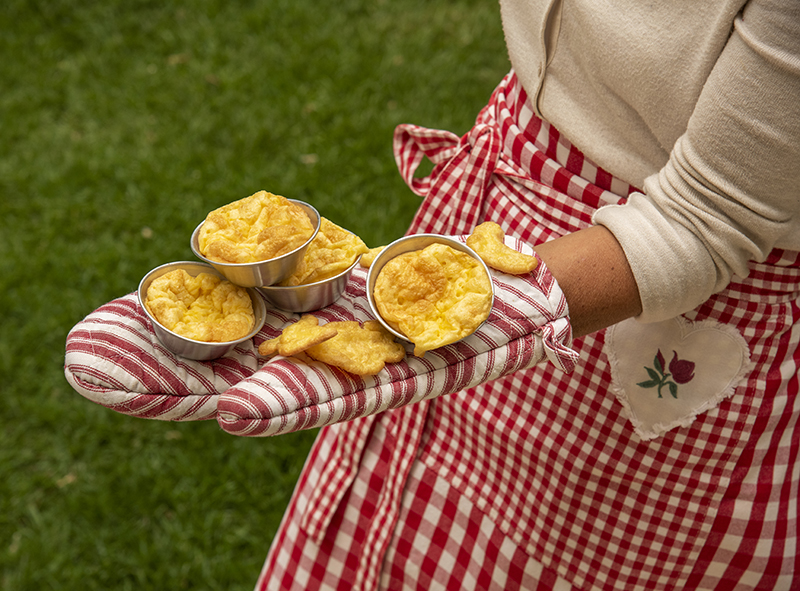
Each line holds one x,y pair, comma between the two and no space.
123,123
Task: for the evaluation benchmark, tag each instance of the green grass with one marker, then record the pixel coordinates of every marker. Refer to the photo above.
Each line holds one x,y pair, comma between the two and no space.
123,123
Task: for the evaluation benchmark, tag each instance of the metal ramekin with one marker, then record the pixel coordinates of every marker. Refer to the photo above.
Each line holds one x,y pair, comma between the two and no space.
266,272
409,244
189,348
313,296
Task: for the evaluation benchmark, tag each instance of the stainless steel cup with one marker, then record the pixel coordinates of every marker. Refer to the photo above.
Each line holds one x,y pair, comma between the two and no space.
189,348
266,272
404,245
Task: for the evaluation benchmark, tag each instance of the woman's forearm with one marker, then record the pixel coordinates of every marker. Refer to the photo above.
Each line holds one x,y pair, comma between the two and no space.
594,274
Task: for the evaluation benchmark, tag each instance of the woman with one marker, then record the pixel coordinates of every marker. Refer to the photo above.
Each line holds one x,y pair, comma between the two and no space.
650,153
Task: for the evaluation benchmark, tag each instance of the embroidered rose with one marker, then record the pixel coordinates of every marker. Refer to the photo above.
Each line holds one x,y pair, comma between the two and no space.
681,371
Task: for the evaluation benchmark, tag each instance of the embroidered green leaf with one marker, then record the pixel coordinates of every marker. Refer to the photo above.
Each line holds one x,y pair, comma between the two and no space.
673,389
648,384
654,375
658,364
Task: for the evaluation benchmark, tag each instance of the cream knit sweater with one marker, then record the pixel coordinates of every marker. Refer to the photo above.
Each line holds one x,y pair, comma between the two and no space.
697,103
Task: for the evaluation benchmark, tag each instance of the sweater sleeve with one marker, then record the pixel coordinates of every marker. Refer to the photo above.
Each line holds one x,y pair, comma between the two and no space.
731,189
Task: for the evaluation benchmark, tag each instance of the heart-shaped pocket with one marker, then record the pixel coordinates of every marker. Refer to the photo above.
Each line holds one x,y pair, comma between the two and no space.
667,373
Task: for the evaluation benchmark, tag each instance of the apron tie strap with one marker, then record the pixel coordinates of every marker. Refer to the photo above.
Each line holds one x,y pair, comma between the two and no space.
470,160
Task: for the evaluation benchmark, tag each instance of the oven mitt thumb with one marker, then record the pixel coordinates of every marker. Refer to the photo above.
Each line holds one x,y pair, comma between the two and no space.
114,359
528,324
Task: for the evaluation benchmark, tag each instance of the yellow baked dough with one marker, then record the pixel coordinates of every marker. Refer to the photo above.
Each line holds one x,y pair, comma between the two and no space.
203,308
488,241
361,349
257,228
434,296
332,251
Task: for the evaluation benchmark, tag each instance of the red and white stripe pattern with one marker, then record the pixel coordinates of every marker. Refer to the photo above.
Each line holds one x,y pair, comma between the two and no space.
546,464
528,323
114,359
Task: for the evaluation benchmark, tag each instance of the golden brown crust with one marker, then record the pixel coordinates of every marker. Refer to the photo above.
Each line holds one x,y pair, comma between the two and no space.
269,347
332,251
358,349
203,308
369,257
434,296
488,241
361,350
257,228
298,337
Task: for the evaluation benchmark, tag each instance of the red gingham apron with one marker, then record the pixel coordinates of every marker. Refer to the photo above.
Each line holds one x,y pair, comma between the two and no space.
538,480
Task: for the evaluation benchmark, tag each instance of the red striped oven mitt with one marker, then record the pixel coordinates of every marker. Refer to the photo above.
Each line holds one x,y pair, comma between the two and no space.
114,359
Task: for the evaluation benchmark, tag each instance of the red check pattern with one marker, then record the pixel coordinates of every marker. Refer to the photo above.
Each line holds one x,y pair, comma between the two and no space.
541,465
440,542
545,465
